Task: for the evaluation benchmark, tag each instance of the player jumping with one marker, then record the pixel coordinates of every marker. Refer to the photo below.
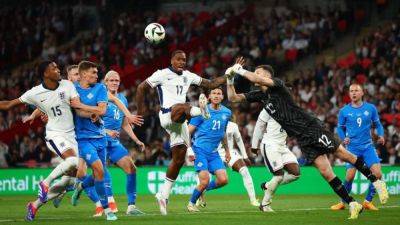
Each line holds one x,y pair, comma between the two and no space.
281,162
172,84
207,136
315,141
354,128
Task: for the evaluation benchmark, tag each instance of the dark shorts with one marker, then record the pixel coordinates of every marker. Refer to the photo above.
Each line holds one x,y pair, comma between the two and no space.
317,141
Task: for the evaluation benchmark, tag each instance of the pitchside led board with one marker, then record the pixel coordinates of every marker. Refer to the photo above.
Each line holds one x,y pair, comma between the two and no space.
150,180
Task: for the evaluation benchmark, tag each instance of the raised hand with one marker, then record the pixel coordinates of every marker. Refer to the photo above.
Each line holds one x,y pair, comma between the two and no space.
135,120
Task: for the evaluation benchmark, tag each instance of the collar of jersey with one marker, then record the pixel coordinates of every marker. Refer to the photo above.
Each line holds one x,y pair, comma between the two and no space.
173,70
211,108
45,87
90,85
351,105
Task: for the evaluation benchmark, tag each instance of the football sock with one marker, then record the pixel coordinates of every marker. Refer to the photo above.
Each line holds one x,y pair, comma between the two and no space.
37,203
61,169
101,192
108,183
166,189
87,181
195,111
360,165
340,190
92,194
287,178
248,182
371,193
60,186
212,185
273,183
131,188
195,195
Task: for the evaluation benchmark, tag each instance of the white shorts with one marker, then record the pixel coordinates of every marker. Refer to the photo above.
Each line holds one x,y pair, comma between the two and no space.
235,156
276,156
61,143
173,129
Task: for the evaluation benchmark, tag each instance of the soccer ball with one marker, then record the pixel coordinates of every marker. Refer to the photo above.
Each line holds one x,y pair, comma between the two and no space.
154,33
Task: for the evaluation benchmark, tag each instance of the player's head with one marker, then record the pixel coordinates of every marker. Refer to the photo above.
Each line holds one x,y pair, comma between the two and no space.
49,70
72,73
112,81
88,72
356,92
216,95
178,60
265,70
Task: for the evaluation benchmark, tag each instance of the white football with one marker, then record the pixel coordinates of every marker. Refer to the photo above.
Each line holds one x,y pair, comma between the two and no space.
154,33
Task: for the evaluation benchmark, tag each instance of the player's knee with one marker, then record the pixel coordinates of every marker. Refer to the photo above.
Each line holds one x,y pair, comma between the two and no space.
222,181
278,179
178,113
98,171
72,161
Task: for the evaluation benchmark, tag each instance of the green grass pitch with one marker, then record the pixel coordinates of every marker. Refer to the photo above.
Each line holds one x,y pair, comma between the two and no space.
221,209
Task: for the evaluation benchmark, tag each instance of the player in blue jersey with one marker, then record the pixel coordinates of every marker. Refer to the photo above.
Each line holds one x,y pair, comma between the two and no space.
91,135
354,129
114,120
207,136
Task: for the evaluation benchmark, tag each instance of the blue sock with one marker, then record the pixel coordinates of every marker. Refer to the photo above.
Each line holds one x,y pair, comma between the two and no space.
108,183
348,185
212,185
87,181
131,188
371,193
101,191
92,194
196,195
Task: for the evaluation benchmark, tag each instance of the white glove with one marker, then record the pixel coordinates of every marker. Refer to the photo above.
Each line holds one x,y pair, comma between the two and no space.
237,68
230,75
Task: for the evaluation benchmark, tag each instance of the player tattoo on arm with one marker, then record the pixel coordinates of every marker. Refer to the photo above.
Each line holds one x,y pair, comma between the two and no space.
214,83
142,88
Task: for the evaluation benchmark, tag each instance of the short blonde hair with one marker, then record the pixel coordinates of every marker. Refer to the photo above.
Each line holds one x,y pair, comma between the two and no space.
109,74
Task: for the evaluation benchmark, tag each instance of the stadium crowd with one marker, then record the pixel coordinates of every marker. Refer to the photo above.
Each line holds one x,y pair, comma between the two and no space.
278,38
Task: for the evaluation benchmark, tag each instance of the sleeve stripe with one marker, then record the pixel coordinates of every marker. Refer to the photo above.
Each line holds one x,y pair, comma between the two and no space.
151,85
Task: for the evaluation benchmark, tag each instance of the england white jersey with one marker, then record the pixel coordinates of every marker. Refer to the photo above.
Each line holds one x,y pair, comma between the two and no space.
233,135
56,105
273,132
172,87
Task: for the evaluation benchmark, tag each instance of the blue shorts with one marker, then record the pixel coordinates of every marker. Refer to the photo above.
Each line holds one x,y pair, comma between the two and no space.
116,151
92,149
211,162
367,152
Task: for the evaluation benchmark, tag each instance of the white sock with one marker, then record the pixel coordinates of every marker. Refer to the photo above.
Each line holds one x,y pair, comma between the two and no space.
166,189
37,203
111,199
248,182
98,204
59,187
271,188
61,169
287,178
195,111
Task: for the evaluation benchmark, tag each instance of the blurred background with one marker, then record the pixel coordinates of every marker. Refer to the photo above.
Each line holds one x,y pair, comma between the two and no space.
319,47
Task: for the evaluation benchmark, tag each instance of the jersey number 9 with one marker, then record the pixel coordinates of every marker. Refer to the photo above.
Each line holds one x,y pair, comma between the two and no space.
359,121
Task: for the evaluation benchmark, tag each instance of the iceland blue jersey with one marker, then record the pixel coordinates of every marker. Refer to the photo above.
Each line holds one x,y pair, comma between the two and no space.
114,116
355,123
209,133
91,96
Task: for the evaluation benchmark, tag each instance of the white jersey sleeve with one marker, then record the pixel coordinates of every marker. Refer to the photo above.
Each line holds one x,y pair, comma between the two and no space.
29,97
239,141
195,79
264,116
259,129
71,89
155,79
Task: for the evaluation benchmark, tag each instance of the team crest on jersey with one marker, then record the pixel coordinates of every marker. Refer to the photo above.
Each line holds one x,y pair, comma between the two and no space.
62,95
224,117
199,164
366,113
90,95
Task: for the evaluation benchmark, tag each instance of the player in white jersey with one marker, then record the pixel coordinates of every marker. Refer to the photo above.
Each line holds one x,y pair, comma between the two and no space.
239,161
53,97
172,84
277,157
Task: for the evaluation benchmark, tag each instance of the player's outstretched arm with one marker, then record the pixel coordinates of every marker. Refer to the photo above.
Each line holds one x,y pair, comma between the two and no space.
7,105
214,83
253,77
227,152
126,126
232,95
142,88
132,119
